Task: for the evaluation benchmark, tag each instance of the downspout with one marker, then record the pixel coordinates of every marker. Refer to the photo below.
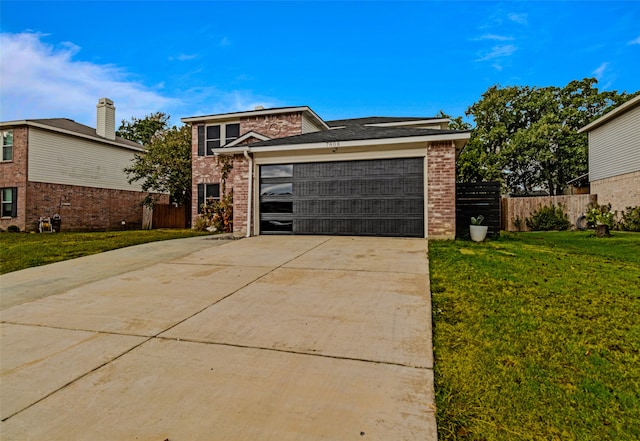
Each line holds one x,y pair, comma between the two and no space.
249,191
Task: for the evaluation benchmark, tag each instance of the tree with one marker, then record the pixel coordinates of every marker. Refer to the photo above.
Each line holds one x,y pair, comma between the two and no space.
165,165
143,130
527,137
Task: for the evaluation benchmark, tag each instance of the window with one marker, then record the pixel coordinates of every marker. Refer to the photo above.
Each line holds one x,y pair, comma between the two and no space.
7,145
276,189
9,202
276,171
214,136
207,193
232,132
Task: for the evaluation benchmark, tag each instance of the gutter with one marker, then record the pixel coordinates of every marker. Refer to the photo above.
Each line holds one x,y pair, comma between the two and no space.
460,137
249,191
246,152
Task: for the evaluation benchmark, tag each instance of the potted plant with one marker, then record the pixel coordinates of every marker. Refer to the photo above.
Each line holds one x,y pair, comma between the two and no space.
478,232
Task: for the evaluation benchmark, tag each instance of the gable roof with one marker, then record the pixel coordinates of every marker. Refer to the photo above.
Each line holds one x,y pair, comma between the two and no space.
257,112
356,133
623,108
70,127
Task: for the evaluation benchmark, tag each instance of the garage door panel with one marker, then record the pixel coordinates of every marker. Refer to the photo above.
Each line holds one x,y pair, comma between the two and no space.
357,207
368,197
360,227
387,186
401,166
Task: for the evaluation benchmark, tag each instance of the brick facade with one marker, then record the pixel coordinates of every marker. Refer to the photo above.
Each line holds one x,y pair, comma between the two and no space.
441,171
273,126
620,191
14,174
81,208
441,190
205,169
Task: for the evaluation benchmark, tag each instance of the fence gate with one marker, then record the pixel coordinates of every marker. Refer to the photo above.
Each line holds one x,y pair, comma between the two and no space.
170,216
474,199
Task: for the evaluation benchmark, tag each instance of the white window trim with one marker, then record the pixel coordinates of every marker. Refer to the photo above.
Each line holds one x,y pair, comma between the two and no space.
223,136
6,145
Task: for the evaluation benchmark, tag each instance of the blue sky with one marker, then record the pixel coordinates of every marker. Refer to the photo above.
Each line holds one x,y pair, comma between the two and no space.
343,59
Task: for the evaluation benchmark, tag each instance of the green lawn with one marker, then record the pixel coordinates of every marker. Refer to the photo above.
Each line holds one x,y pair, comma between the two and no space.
23,250
537,337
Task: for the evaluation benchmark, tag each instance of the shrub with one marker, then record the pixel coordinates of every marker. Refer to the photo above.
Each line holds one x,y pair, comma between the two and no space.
630,219
548,218
217,216
518,222
600,215
13,229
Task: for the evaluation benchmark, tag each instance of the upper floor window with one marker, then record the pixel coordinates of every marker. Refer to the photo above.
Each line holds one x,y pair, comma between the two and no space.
7,145
220,135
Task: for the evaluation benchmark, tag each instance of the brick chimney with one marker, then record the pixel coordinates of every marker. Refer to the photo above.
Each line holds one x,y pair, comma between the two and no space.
106,124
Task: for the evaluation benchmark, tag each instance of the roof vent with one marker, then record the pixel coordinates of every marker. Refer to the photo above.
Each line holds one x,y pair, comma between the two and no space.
258,108
106,121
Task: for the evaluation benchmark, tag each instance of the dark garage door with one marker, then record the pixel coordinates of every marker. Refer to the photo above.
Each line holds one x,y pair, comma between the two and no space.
366,198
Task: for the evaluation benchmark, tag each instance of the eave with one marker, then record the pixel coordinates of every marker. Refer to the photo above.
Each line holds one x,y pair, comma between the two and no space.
49,128
460,140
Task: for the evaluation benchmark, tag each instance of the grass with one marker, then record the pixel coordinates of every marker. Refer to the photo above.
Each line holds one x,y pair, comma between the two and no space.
537,337
22,250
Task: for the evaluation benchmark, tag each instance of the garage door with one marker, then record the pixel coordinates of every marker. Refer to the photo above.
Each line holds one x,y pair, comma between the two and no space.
366,198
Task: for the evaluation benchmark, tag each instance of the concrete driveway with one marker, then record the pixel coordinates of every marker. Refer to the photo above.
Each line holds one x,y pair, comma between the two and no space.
265,338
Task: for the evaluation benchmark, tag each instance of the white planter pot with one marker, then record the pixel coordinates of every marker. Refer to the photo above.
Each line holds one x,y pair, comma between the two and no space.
478,232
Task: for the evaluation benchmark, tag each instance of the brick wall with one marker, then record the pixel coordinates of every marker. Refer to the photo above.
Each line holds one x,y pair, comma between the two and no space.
205,169
441,188
620,191
14,174
273,126
84,208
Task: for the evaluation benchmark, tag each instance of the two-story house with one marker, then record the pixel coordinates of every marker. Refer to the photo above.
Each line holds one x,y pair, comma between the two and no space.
294,173
58,166
614,156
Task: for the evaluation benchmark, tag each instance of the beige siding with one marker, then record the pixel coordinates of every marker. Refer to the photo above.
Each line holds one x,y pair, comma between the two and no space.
614,148
308,126
59,159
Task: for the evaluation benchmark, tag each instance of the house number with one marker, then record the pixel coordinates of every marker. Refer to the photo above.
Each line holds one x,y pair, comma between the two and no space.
333,143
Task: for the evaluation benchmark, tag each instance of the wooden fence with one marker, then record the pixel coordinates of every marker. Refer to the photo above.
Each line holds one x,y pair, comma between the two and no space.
512,208
170,216
474,199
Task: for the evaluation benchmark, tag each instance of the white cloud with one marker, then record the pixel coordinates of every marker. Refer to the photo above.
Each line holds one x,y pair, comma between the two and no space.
495,37
212,100
225,42
41,80
184,57
499,51
599,72
518,18
636,41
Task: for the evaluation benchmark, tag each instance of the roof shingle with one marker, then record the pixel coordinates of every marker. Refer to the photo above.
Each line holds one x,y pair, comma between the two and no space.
72,126
354,133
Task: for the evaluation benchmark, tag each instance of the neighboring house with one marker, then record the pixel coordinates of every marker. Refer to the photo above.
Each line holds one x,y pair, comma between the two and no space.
57,166
294,173
614,156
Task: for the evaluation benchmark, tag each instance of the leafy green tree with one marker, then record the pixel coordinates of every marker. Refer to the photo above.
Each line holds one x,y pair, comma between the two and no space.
527,138
165,166
143,130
